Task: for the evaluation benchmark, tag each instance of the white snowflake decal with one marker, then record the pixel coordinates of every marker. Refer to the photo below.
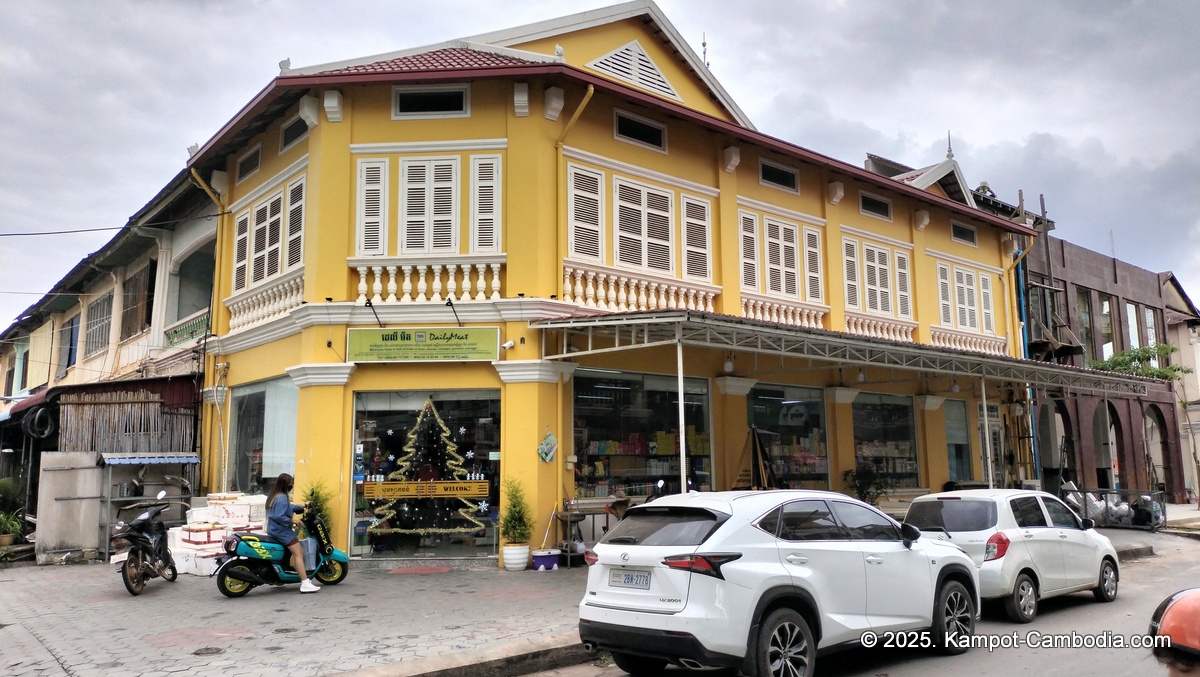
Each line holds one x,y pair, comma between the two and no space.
462,430
389,432
391,457
483,506
470,454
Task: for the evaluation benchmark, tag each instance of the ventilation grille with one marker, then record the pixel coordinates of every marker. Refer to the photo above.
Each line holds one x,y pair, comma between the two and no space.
631,64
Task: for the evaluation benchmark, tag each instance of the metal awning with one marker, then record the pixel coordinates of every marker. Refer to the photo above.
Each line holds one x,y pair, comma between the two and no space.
148,459
624,331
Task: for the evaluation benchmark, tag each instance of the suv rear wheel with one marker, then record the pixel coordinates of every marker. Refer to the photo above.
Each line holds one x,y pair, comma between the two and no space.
953,617
639,665
785,646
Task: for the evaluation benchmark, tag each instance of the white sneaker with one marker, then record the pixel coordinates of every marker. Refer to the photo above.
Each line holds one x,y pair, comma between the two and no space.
307,586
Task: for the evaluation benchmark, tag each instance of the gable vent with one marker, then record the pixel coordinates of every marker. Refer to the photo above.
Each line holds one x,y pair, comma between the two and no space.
631,64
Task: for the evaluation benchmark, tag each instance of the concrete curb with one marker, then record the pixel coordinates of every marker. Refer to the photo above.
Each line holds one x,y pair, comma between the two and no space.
505,660
1134,552
1194,535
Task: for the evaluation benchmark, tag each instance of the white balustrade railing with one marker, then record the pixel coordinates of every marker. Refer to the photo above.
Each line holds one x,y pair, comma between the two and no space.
266,301
593,285
872,326
780,311
960,340
428,279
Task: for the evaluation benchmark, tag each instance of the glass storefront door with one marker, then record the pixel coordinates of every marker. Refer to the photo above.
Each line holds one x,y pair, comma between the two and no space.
426,473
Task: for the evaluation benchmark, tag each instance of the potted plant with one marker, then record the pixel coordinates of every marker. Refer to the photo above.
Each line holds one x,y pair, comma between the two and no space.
516,525
867,484
10,527
319,497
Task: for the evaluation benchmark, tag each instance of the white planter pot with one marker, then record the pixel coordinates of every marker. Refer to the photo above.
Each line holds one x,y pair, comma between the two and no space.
516,557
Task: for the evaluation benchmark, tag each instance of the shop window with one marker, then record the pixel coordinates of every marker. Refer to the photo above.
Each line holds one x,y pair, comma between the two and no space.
958,441
1107,335
1083,310
791,424
639,131
415,102
1131,319
626,433
1152,332
426,472
885,439
263,424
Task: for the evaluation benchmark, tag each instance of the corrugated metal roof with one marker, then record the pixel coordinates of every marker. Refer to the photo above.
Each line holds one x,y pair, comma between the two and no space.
148,459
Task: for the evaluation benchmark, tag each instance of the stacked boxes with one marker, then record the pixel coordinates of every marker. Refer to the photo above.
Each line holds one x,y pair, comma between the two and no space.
196,545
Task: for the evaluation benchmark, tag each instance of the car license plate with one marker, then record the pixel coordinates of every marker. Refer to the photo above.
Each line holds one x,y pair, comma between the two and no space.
629,579
119,557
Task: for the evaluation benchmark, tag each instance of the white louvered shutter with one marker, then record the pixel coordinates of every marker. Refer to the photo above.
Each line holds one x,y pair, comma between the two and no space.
960,297
660,235
630,248
274,234
903,287
782,268
485,203
943,273
850,265
985,294
372,207
241,251
415,192
444,219
585,215
696,255
814,283
749,251
878,279
295,224
258,238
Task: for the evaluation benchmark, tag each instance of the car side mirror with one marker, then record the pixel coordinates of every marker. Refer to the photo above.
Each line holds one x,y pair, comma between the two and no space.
1089,524
910,533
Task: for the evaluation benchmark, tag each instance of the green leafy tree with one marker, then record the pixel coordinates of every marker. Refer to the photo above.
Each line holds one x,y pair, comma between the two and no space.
867,484
1140,362
516,524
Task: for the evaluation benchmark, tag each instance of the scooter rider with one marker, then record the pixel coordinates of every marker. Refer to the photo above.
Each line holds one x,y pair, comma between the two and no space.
279,526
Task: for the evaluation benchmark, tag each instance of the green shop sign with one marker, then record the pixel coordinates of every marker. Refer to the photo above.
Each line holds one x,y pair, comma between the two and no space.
424,344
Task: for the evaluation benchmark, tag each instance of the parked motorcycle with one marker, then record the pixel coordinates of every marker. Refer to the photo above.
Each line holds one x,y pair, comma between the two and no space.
251,560
141,545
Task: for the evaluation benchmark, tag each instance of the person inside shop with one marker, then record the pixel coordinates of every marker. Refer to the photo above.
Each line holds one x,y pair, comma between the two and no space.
279,526
1178,618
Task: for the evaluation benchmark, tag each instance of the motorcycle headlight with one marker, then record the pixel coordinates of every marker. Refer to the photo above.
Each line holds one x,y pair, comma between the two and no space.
230,545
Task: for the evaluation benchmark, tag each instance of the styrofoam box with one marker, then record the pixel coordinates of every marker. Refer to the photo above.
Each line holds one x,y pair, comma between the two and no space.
185,562
205,563
230,513
199,515
174,538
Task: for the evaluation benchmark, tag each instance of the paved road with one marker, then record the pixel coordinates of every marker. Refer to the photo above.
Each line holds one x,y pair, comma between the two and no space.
1144,584
79,621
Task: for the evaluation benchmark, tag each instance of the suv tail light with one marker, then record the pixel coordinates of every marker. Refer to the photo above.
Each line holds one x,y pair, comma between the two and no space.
997,545
708,564
590,557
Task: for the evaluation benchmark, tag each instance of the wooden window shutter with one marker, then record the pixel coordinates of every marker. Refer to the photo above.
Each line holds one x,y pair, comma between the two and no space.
485,203
749,251
814,283
782,252
295,225
258,264
943,273
586,212
629,230
274,234
875,263
241,251
903,286
960,297
696,255
444,219
660,231
372,207
850,263
774,257
415,193
985,294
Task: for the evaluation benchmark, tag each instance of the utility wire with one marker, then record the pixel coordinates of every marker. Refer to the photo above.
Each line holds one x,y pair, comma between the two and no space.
206,217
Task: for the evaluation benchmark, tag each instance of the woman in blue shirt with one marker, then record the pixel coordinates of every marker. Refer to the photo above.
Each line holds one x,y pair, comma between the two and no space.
279,526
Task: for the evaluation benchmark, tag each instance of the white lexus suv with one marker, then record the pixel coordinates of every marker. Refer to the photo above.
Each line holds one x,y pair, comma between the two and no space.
761,580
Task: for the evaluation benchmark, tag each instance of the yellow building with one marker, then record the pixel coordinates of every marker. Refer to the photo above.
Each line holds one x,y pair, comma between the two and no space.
509,256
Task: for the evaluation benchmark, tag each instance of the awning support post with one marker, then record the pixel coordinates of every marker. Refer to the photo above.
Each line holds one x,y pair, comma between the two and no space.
682,430
987,432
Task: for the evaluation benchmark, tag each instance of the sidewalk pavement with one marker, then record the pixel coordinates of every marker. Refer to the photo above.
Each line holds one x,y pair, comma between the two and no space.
78,620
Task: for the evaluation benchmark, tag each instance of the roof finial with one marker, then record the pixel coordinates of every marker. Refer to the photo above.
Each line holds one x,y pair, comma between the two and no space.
949,148
704,48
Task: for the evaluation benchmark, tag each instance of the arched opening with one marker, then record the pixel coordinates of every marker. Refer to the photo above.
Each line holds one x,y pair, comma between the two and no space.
1107,441
1154,425
1055,448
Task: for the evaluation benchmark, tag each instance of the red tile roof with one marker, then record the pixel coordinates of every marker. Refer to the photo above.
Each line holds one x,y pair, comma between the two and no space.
453,58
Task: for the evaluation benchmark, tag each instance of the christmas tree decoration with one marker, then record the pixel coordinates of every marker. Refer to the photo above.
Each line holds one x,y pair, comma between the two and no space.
430,456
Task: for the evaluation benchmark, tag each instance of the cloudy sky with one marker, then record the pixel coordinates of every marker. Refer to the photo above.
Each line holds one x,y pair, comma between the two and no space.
1094,104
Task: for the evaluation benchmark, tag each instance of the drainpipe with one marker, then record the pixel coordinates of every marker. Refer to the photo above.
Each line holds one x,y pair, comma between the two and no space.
209,359
114,318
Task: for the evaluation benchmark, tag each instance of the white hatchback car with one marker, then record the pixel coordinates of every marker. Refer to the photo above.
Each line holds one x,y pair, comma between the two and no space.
760,580
1028,545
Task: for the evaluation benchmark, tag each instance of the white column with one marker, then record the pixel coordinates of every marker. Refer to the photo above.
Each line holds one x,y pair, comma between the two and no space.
682,429
987,432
